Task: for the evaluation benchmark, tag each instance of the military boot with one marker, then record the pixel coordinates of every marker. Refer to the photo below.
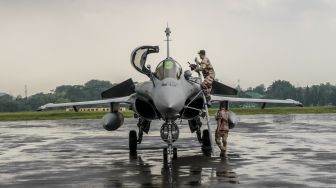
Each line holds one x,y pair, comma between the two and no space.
223,154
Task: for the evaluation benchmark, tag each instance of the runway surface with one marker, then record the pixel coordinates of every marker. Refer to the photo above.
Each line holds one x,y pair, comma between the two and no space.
264,151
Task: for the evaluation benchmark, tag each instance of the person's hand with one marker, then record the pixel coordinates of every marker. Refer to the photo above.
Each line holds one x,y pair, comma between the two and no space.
193,66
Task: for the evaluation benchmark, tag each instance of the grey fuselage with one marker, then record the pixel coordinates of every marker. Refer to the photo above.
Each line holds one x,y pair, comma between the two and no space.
167,96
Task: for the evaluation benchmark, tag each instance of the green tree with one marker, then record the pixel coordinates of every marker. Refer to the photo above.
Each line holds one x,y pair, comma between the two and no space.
93,89
281,89
8,104
260,89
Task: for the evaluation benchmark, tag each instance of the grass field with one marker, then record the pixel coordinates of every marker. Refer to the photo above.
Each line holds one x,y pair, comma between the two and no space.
54,115
281,110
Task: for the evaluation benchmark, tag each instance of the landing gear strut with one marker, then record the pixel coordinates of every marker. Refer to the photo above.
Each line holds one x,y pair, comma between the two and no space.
195,126
165,153
140,135
135,139
169,133
144,126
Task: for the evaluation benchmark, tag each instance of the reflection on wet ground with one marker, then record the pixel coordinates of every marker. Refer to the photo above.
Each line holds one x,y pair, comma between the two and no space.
264,151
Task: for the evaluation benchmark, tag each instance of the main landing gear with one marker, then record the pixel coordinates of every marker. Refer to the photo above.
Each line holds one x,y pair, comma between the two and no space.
204,139
195,126
135,139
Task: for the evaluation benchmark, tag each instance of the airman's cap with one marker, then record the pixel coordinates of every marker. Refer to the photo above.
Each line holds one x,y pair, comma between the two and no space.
201,52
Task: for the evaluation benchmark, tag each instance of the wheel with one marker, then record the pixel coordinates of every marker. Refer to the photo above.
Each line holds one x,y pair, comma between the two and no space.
165,154
206,138
133,141
174,153
206,144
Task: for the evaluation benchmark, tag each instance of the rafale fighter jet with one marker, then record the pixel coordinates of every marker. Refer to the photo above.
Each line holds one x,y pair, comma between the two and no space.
169,95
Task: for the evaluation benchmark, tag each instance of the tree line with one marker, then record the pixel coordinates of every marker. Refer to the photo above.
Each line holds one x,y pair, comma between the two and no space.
315,95
91,90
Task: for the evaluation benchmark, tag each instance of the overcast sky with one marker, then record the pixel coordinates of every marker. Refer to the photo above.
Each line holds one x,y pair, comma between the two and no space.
47,43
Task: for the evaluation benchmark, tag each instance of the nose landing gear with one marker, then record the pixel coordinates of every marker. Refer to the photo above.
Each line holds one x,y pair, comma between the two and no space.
169,133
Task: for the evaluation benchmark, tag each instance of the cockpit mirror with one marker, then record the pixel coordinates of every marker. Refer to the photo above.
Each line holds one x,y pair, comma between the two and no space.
139,57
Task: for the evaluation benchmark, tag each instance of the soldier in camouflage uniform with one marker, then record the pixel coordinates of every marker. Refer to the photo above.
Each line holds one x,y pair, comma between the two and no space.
208,73
222,130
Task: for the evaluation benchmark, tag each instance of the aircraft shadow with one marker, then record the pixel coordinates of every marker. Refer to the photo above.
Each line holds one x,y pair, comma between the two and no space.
185,171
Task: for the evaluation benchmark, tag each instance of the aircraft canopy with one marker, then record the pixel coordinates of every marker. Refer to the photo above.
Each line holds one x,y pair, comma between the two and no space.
168,68
139,57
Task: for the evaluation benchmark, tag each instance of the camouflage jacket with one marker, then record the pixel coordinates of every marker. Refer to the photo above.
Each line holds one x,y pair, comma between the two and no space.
206,68
222,118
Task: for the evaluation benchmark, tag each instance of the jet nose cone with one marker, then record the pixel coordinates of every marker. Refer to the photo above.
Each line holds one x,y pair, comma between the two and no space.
169,102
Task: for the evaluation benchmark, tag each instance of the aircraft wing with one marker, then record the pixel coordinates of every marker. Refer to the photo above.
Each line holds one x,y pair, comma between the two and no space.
264,101
127,99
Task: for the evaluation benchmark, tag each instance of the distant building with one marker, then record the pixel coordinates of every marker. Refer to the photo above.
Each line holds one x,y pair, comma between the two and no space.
93,109
248,105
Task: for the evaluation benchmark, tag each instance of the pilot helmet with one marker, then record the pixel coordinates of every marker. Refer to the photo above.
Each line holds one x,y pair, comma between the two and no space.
187,74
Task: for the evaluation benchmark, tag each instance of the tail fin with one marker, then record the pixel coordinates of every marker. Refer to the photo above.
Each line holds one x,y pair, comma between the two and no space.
222,89
123,89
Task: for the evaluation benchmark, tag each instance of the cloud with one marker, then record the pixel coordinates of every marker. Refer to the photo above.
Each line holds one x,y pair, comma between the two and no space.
49,43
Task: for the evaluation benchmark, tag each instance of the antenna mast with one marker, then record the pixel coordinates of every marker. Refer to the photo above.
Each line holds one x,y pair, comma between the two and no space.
26,92
167,31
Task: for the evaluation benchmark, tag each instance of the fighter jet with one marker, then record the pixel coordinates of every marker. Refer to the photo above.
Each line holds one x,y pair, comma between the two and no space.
169,95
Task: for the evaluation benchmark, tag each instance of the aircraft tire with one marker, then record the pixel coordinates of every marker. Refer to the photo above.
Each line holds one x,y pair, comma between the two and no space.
174,153
206,144
165,154
133,141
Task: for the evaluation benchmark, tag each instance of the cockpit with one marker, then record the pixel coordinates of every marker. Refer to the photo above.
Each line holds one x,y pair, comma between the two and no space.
168,68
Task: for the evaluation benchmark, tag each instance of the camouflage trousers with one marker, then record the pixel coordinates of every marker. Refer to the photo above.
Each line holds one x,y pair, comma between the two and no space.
207,86
221,137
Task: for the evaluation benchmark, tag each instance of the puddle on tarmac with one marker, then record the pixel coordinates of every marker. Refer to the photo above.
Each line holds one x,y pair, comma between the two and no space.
264,151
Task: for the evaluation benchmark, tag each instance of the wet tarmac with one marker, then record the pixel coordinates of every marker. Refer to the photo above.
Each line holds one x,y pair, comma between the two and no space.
264,151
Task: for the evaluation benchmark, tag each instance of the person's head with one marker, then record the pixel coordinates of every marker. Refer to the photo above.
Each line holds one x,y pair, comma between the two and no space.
223,105
201,53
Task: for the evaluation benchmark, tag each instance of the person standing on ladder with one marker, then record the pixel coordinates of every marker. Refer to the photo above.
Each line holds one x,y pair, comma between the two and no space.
208,72
222,130
208,77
